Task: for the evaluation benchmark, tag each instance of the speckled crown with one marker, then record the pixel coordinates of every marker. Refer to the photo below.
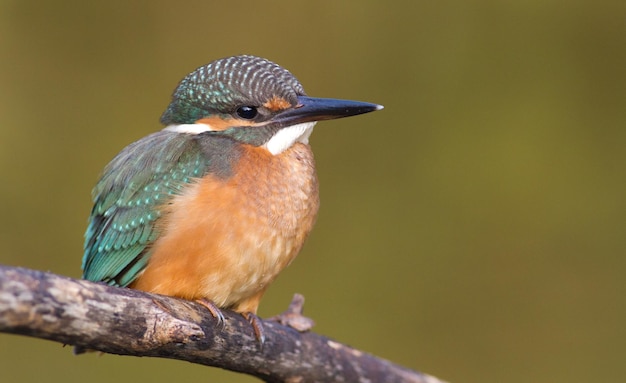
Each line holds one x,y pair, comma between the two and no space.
223,85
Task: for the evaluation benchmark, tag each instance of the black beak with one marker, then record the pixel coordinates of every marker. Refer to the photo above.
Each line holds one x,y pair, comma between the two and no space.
317,109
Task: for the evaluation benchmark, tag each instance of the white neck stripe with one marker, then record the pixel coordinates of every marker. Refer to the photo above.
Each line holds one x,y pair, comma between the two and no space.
196,128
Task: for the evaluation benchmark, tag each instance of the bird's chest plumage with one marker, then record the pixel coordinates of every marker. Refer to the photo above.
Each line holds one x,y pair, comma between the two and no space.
227,239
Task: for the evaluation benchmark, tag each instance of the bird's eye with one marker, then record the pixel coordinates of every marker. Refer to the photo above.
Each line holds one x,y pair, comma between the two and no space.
247,112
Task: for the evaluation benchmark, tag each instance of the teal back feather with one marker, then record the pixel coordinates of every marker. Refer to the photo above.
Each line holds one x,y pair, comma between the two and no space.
144,176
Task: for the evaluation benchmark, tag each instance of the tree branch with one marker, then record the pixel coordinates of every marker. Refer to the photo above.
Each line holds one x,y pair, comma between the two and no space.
130,322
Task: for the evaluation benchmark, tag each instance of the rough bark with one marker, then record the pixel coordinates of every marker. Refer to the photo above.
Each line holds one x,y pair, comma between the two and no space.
128,322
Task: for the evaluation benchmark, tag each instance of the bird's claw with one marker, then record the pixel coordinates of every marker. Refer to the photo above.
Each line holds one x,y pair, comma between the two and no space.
255,321
214,310
257,325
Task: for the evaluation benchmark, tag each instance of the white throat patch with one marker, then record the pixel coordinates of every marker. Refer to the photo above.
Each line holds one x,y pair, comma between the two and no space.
284,138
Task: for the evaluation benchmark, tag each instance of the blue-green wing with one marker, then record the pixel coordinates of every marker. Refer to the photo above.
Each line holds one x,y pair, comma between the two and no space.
138,180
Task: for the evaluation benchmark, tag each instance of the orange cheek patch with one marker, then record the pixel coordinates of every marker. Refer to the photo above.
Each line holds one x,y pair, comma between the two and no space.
276,104
218,123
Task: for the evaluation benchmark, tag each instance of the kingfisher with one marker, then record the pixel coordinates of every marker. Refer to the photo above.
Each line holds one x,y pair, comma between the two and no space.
212,207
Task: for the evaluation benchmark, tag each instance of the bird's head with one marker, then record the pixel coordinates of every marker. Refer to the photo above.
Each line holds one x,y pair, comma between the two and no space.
253,101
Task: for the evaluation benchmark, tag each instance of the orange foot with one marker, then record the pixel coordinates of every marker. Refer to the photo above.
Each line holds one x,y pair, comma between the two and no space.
293,317
213,309
257,325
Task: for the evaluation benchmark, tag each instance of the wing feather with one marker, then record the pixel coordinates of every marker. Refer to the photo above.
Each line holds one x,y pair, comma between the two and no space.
126,203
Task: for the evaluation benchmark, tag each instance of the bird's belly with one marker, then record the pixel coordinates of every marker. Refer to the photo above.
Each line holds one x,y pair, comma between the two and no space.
227,239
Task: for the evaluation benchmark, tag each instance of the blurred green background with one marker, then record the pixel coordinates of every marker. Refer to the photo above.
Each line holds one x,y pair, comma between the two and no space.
473,230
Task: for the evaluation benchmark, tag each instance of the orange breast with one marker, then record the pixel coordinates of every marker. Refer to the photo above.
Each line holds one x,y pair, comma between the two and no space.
226,240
